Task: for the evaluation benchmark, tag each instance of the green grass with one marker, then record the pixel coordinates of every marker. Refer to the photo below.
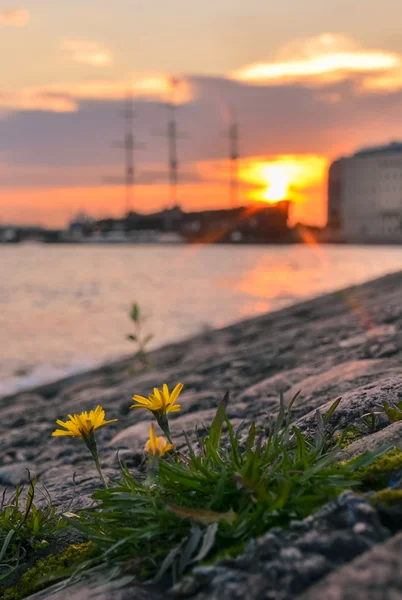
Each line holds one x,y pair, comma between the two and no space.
23,526
194,506
231,486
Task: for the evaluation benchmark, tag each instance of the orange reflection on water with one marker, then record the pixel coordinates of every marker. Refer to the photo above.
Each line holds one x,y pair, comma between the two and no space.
265,281
273,284
350,298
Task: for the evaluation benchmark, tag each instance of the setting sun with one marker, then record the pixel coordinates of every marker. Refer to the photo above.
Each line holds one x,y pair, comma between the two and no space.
278,178
285,177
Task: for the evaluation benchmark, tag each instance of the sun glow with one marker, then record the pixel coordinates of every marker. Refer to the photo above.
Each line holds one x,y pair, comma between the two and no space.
284,177
278,178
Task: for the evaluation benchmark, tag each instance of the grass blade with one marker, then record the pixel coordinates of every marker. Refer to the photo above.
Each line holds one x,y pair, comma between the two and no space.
215,431
331,410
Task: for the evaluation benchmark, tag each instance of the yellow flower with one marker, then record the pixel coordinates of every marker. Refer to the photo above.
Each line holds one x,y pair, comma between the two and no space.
83,425
157,446
161,401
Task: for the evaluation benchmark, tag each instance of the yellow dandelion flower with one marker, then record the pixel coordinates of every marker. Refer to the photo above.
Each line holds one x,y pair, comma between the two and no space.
160,401
156,446
83,425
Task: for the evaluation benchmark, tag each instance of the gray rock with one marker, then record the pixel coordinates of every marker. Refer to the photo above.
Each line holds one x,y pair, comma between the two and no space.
272,386
358,402
318,389
387,437
376,575
96,589
16,473
376,333
283,563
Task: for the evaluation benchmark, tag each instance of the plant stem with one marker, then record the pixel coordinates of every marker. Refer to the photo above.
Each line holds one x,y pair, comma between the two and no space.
91,445
152,470
99,469
163,423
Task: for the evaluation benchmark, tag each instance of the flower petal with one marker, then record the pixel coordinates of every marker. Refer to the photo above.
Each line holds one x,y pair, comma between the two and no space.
155,402
176,392
83,425
61,432
107,422
141,400
152,435
157,394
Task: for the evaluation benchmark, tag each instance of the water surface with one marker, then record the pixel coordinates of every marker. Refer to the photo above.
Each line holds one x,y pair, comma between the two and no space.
64,308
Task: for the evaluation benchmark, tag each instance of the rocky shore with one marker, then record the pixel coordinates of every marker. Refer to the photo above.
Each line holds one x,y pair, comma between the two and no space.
347,344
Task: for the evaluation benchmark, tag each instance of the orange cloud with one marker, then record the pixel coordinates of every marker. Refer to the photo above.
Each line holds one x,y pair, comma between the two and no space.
14,17
87,52
36,100
64,97
328,58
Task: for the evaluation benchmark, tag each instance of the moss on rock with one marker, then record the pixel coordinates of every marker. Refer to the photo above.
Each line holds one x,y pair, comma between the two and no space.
377,475
47,571
387,496
344,439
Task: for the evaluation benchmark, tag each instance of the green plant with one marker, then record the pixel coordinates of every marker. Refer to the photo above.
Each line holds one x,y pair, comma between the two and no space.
366,425
235,485
369,422
393,411
23,526
83,426
141,339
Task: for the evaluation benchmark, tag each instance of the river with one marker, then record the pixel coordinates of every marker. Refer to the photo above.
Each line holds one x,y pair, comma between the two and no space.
64,309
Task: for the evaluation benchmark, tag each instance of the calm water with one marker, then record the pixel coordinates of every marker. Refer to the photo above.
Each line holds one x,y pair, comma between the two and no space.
64,309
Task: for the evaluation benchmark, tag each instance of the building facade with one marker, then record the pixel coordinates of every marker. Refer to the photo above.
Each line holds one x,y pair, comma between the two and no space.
334,195
365,195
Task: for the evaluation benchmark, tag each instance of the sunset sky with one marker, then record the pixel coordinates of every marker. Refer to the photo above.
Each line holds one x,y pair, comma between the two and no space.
306,82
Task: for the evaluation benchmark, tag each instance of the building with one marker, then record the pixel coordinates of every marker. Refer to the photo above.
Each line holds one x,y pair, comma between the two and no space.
334,195
365,195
